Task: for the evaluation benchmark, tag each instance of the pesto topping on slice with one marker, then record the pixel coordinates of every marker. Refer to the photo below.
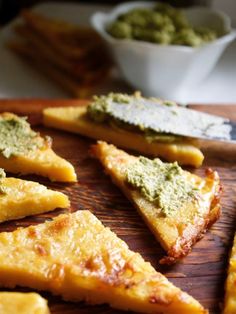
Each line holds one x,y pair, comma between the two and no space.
2,176
99,109
157,119
17,138
103,109
164,184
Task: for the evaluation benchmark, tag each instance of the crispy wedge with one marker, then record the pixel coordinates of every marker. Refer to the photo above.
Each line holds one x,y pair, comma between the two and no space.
75,119
20,198
40,160
22,303
79,88
76,257
68,40
81,70
74,57
230,296
179,231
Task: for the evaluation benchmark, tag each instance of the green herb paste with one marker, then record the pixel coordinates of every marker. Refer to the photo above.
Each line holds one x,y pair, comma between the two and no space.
17,138
99,110
162,24
161,183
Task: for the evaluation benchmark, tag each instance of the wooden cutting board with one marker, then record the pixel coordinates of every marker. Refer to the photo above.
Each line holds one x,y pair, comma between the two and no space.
202,273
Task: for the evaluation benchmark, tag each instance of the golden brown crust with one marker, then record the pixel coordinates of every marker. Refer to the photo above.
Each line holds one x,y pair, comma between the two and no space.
177,235
185,244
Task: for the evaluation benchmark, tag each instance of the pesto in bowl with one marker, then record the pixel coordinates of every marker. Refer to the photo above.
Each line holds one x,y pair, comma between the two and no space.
161,24
179,61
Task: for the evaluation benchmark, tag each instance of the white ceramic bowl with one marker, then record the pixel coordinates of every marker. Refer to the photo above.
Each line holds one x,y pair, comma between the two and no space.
165,71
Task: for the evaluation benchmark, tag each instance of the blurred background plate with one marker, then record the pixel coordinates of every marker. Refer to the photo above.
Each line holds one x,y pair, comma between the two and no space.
18,79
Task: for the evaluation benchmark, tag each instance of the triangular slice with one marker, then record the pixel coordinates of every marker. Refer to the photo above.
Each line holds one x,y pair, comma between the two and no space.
22,303
20,198
230,296
80,120
24,151
76,257
177,206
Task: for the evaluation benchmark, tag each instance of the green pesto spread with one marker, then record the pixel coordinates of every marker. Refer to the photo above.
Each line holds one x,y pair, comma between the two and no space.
17,138
100,111
161,183
2,176
162,24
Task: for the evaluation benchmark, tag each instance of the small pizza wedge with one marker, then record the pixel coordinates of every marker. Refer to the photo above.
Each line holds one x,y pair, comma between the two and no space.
230,296
24,151
22,303
97,121
177,206
76,257
20,198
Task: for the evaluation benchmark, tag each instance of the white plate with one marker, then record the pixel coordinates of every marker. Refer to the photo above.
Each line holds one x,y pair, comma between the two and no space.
19,80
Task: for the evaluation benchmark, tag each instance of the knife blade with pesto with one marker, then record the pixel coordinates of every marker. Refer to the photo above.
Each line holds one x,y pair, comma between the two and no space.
160,117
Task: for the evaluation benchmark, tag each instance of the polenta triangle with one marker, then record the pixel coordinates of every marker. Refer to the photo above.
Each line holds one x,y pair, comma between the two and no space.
20,198
230,287
77,120
24,151
22,303
76,257
176,229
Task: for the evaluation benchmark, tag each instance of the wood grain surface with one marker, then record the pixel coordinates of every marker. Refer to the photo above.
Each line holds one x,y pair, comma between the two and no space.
202,273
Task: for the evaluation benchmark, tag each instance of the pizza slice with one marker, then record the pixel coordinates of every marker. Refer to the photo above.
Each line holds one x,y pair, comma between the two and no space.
177,206
230,296
20,198
76,257
97,121
22,303
24,151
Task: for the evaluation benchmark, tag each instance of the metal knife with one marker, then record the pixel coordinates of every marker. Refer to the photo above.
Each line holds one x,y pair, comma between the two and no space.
173,119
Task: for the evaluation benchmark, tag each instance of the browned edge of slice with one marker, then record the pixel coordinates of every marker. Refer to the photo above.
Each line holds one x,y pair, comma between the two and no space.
186,244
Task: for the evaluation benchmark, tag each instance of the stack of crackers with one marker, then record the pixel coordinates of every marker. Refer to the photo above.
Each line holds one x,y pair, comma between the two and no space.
74,57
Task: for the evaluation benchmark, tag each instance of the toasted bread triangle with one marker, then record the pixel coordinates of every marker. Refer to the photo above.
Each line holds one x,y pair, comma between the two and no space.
42,161
22,303
230,295
76,257
20,198
179,232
